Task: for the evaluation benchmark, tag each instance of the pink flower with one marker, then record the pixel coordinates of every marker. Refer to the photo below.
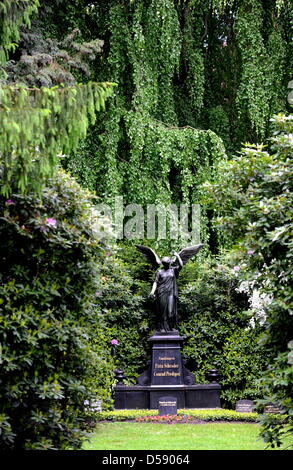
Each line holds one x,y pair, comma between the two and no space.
225,44
98,293
236,268
9,202
250,252
107,253
51,222
114,342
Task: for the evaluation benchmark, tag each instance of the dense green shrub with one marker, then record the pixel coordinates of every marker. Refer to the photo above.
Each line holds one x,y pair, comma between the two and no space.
277,383
121,303
252,195
216,324
51,252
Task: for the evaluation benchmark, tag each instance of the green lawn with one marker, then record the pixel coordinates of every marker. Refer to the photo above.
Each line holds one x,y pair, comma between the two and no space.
149,436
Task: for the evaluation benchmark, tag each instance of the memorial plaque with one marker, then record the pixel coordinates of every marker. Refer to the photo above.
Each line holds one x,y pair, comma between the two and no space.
244,406
167,406
272,408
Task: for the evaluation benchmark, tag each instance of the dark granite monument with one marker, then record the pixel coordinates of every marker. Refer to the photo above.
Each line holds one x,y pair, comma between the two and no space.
166,374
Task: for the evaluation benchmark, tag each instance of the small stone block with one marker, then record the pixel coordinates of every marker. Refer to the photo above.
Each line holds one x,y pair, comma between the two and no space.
167,406
272,408
244,406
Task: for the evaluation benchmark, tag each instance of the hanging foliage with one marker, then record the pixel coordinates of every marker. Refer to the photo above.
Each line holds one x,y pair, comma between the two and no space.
38,124
141,143
193,66
13,13
156,149
193,58
262,67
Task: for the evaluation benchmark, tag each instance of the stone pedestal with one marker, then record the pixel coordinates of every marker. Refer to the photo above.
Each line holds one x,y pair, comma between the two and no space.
167,366
167,376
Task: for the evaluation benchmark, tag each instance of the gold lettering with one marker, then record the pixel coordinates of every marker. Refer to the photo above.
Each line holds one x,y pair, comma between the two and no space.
166,366
172,374
167,374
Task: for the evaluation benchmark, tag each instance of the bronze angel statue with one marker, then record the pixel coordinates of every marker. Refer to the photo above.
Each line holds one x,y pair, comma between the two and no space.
164,289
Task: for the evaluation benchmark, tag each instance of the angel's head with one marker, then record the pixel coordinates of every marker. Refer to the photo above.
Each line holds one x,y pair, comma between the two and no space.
166,262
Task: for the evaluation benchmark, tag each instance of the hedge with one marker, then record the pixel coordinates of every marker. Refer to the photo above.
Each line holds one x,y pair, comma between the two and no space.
203,415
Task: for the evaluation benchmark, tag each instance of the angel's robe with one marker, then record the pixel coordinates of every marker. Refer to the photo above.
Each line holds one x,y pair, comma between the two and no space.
166,281
167,295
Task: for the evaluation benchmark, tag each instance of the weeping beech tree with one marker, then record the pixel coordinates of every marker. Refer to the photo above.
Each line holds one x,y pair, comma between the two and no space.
221,66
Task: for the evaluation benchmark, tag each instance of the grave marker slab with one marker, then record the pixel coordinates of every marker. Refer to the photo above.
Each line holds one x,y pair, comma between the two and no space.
244,406
167,406
272,408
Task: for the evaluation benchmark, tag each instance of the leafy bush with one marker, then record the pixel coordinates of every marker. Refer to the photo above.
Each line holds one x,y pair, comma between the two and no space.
165,419
51,254
216,324
123,314
253,199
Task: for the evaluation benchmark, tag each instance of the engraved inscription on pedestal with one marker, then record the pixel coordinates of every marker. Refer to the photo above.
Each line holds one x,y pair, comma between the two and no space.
166,367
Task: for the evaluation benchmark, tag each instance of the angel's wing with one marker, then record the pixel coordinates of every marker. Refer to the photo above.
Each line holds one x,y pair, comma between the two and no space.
150,255
187,253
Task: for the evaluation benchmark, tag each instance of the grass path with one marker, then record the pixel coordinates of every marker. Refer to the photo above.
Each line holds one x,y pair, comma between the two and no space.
149,436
